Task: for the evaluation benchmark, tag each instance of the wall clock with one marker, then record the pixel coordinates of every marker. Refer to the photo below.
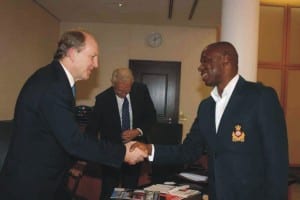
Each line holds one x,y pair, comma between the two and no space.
154,39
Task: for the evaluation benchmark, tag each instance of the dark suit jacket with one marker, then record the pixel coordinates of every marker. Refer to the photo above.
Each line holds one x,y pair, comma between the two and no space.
105,117
45,136
254,169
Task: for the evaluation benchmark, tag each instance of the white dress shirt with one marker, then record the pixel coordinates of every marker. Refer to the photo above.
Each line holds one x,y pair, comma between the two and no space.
222,101
69,75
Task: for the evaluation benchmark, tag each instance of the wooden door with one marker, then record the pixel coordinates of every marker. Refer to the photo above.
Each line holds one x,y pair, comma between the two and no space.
163,81
279,65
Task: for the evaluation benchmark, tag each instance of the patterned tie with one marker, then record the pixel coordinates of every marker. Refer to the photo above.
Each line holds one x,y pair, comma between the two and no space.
125,115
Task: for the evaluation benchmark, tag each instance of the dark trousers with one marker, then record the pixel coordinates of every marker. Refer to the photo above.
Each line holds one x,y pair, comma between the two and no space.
126,177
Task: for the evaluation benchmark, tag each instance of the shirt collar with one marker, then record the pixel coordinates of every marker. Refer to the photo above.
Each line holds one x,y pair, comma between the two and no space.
122,99
227,90
69,75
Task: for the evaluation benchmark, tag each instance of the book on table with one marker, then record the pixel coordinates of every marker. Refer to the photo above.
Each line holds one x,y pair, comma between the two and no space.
181,191
123,194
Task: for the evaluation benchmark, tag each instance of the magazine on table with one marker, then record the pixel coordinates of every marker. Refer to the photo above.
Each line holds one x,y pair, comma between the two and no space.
123,194
180,191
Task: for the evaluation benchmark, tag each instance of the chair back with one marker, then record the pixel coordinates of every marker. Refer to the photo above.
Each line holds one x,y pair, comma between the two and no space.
82,113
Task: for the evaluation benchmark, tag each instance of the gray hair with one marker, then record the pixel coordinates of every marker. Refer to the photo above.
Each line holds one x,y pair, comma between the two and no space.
122,74
70,39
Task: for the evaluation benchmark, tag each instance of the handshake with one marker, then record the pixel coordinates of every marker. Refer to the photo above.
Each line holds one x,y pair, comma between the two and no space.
136,152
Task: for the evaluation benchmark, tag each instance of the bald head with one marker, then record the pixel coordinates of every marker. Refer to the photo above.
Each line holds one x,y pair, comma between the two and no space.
226,49
69,39
78,52
219,64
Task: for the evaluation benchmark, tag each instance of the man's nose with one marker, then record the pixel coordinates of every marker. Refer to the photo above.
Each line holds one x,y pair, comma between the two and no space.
95,63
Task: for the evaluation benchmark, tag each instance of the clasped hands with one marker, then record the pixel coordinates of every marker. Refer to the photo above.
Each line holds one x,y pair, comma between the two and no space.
136,152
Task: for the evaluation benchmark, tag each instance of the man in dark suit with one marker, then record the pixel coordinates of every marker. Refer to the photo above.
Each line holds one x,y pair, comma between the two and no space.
45,132
107,119
243,126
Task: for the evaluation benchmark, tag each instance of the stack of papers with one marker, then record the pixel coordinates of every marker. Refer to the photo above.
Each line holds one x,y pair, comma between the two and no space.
162,188
182,191
128,194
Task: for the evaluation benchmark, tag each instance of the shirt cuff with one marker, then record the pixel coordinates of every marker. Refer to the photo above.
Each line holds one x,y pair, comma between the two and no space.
141,132
151,156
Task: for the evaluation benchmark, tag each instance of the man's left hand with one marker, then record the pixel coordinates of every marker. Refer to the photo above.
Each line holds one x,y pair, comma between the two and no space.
129,135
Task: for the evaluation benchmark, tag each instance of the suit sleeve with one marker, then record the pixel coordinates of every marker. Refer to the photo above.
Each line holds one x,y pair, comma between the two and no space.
92,128
57,110
275,145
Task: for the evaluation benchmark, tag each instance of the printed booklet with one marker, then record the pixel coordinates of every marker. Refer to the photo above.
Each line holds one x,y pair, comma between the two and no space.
123,194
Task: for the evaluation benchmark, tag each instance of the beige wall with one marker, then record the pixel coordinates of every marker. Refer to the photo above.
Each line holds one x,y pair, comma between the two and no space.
28,38
121,42
28,41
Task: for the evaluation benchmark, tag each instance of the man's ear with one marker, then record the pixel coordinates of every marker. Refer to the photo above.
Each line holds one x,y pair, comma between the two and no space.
71,53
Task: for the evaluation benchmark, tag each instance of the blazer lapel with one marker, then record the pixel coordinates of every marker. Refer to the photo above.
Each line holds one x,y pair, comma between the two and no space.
234,105
212,116
209,122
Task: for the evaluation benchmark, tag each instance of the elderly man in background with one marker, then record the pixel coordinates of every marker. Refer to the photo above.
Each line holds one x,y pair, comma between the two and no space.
122,113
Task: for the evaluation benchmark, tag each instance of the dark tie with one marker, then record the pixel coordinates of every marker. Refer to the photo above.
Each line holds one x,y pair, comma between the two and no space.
74,90
125,115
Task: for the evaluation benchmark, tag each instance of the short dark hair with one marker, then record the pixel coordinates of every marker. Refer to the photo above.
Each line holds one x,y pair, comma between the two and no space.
226,48
70,39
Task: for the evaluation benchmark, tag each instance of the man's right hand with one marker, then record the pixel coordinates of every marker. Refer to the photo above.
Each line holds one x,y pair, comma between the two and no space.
134,155
147,148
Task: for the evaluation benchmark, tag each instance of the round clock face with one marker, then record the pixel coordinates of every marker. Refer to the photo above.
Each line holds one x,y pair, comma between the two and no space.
154,39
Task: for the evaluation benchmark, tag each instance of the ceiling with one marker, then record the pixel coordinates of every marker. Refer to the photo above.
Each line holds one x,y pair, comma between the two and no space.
207,13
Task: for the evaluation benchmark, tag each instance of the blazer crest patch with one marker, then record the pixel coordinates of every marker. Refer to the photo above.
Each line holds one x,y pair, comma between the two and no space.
238,135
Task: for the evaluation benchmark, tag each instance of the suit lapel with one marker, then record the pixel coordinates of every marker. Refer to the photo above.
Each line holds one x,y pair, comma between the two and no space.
114,108
64,79
133,103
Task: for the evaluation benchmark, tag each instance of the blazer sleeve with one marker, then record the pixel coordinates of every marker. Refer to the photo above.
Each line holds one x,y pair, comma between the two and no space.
57,110
189,151
275,145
